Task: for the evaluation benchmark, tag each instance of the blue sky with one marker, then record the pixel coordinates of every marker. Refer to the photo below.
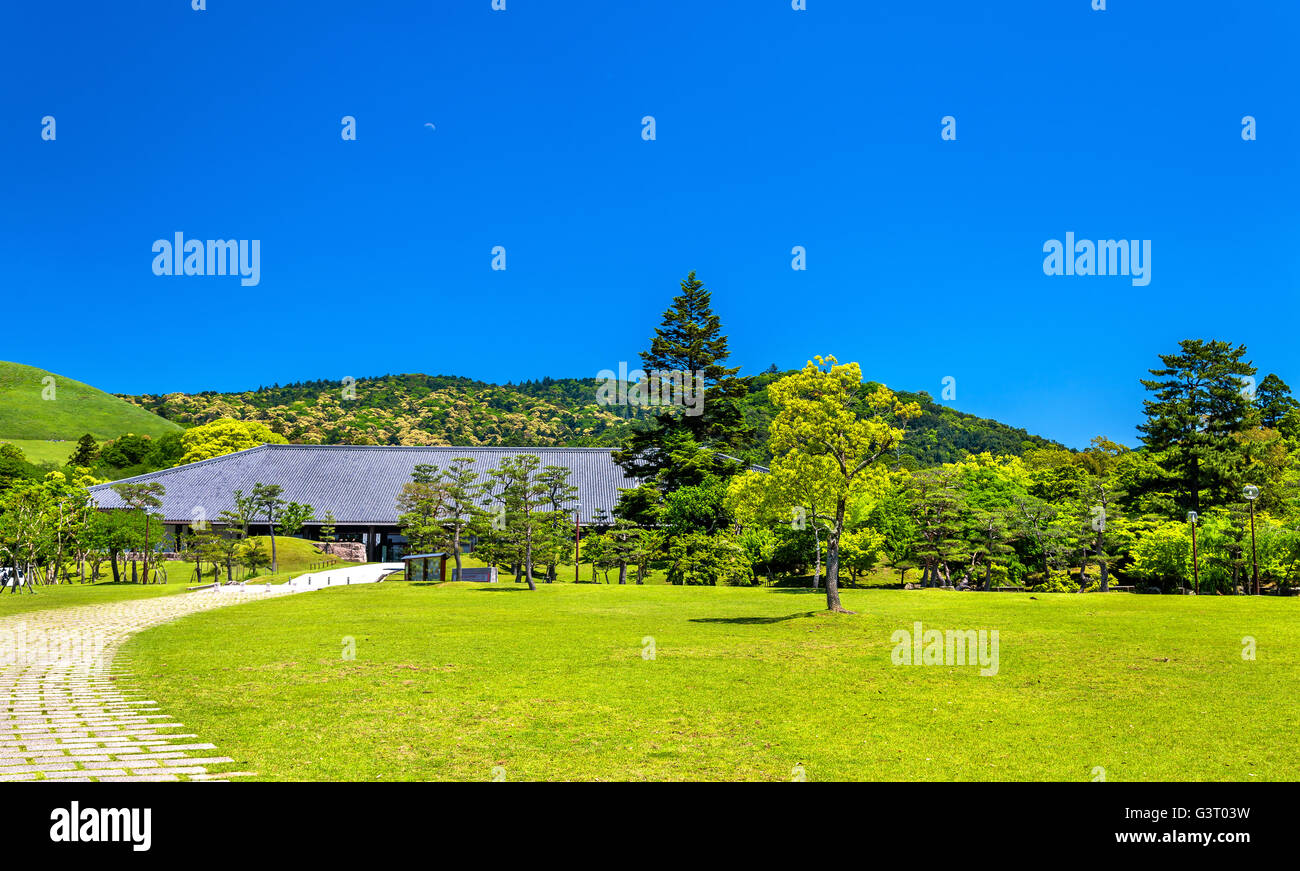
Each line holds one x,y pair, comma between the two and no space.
774,128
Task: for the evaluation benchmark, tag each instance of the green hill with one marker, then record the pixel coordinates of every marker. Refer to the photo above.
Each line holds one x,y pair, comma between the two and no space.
46,429
419,410
450,410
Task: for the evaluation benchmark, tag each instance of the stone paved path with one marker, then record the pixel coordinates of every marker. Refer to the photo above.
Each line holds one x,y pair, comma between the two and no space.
62,713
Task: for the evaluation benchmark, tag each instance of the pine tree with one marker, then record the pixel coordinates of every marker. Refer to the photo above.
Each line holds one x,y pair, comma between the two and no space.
1198,409
1273,399
689,340
86,453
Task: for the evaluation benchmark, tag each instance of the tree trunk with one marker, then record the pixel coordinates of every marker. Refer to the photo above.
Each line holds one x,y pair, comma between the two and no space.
528,562
833,562
145,554
622,572
455,546
817,564
274,562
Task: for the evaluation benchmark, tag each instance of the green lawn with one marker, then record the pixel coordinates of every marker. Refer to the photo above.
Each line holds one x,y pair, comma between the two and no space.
41,451
296,557
71,595
450,681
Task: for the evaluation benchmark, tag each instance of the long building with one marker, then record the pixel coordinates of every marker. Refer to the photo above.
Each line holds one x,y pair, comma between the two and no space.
357,484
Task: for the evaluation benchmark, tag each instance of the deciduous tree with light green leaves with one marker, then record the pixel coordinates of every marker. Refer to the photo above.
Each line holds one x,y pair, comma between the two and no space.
835,432
225,436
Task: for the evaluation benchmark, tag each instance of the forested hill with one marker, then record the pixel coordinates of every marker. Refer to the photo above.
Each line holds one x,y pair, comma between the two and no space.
450,410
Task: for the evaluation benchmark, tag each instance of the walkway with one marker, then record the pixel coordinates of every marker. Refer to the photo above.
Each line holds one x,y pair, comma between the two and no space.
62,714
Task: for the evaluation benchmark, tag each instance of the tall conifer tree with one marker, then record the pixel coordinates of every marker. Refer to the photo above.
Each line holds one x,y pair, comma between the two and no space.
1198,409
689,340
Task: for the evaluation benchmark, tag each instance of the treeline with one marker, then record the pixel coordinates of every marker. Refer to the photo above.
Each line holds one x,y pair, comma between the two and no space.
1220,458
52,533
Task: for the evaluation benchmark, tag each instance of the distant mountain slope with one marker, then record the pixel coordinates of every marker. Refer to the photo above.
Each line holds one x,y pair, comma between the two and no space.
449,410
406,410
71,410
941,434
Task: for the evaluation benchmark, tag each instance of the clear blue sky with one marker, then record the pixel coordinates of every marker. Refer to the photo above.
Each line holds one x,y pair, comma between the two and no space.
775,128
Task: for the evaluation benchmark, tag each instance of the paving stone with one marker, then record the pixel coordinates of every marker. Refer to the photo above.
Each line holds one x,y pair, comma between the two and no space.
64,715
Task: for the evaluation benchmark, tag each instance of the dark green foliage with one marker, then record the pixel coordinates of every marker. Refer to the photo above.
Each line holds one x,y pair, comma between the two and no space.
87,452
690,339
14,468
698,508
1274,401
131,454
1198,410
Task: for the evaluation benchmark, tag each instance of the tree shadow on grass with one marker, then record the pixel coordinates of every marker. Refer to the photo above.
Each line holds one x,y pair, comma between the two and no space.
752,621
800,591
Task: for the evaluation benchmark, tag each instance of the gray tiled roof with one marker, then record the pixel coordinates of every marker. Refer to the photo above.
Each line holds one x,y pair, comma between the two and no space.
358,484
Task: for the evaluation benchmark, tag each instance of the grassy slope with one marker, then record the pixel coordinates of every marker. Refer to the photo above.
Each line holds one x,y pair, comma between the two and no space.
449,681
39,451
77,409
295,556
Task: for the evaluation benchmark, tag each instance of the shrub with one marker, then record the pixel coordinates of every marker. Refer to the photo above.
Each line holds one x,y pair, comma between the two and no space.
1056,582
701,559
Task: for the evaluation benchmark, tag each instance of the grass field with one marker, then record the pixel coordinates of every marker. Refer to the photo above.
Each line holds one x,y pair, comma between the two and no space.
40,451
29,412
71,595
297,556
452,681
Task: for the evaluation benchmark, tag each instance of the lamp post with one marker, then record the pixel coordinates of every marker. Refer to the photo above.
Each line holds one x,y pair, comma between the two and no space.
1196,572
1251,492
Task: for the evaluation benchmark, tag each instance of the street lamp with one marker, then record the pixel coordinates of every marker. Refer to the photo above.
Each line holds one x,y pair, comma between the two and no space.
1251,492
1196,572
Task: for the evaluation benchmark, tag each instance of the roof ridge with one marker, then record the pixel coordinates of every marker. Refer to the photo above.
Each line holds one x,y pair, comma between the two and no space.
171,469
